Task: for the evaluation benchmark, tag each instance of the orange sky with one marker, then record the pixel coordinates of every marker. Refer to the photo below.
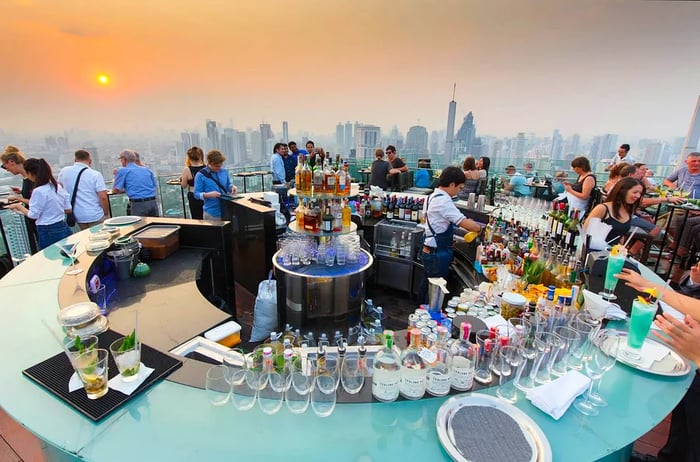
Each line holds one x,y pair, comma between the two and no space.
596,66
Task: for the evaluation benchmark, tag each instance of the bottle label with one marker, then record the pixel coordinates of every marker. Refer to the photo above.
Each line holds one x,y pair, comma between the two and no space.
412,382
438,383
427,355
462,378
385,384
330,181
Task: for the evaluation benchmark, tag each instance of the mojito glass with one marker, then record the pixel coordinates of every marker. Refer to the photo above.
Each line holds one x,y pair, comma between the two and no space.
640,321
92,367
128,360
615,264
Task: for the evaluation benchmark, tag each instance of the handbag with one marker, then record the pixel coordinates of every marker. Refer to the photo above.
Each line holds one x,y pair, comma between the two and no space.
70,216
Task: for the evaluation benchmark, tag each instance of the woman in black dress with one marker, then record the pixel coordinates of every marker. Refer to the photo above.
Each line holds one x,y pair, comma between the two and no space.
194,162
618,208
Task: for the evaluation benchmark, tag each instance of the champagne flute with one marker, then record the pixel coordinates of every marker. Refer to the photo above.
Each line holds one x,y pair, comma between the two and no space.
603,351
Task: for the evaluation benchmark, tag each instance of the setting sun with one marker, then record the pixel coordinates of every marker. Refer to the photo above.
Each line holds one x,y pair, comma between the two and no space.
103,79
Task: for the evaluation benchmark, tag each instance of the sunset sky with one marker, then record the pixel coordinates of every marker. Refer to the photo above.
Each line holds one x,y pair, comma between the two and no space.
625,67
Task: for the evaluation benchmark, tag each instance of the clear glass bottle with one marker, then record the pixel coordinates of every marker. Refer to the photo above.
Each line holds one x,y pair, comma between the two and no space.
386,372
347,215
317,179
439,361
413,369
463,360
394,245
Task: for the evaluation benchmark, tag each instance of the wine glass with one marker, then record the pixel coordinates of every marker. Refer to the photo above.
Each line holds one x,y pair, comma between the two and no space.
604,348
352,374
604,339
70,250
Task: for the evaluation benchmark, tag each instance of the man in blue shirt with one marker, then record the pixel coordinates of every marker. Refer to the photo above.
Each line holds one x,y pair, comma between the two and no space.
210,183
279,180
139,184
290,165
295,151
516,184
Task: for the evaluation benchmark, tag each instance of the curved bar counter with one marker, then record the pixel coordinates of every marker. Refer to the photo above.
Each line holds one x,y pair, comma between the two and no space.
172,421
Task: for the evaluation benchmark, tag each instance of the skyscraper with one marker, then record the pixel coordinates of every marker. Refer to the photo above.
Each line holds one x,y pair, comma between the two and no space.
693,136
285,131
556,147
417,139
212,135
465,136
339,137
519,147
265,135
367,139
349,137
229,147
449,136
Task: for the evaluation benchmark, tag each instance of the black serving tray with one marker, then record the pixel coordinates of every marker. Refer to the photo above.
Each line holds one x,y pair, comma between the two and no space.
54,374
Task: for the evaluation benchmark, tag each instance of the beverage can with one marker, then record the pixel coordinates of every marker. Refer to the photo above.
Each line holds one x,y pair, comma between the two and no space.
471,200
481,203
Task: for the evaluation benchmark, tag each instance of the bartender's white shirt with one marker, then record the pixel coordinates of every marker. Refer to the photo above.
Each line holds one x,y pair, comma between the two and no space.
48,206
440,211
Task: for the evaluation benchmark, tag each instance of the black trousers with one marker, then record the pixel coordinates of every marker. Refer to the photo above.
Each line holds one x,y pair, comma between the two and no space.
683,443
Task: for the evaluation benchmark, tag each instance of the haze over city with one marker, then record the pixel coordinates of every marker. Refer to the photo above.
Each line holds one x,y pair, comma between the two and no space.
625,67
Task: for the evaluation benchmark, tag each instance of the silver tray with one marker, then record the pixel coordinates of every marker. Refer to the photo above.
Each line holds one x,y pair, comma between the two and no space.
126,220
541,450
672,365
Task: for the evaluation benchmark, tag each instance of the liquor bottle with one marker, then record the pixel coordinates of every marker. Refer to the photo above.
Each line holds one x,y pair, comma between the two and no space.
414,211
551,219
413,370
394,245
275,342
386,372
421,211
439,361
402,209
299,214
463,360
348,178
347,220
327,221
337,212
317,179
368,208
328,178
297,174
306,177
390,209
404,246
341,184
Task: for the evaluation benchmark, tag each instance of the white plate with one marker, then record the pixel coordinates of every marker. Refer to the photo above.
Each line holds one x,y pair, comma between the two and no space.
542,452
97,246
118,221
672,365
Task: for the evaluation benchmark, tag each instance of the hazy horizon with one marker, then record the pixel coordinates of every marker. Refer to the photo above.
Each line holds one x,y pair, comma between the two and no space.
623,67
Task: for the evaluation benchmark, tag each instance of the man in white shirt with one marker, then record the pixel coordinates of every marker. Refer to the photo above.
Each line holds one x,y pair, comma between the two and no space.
91,201
620,157
441,217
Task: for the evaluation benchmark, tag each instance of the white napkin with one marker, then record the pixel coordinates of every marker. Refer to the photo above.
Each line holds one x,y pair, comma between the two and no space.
598,230
555,397
651,352
615,313
493,321
116,383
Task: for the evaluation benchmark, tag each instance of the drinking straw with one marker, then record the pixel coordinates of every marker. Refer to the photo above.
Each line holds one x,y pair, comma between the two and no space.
629,239
661,295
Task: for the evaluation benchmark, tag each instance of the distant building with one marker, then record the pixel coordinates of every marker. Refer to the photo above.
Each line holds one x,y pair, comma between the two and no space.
340,137
603,147
367,139
449,136
465,136
285,131
518,147
555,153
229,147
349,137
417,139
574,145
212,135
434,143
265,135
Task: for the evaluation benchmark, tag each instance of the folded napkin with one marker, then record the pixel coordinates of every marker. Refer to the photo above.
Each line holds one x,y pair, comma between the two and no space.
651,352
615,313
555,397
598,307
116,383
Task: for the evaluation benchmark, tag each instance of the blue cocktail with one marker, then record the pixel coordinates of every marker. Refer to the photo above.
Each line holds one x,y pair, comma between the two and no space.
640,321
615,264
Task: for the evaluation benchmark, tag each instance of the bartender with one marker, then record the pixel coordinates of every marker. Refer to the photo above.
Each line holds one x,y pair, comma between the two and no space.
441,217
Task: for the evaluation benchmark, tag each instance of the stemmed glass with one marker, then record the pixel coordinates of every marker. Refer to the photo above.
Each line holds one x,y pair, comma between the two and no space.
70,249
604,348
605,338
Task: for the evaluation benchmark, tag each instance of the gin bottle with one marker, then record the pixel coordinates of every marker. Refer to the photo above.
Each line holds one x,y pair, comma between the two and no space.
463,360
386,372
439,361
413,369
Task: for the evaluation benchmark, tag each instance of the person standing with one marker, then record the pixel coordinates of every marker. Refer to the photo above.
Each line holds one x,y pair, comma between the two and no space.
48,205
580,194
290,165
139,184
91,205
13,161
194,162
622,156
211,182
398,166
379,170
441,218
295,151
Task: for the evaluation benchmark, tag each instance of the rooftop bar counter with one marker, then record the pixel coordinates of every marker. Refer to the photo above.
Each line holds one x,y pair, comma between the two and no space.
172,421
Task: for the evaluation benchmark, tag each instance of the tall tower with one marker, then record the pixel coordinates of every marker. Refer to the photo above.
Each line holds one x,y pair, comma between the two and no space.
212,134
339,137
465,135
691,139
285,131
449,137
349,137
265,135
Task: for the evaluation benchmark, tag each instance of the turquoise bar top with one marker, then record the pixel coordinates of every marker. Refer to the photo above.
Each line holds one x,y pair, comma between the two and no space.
175,422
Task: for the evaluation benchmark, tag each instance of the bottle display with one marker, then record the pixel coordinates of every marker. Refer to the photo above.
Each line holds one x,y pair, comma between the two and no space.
386,371
463,360
413,369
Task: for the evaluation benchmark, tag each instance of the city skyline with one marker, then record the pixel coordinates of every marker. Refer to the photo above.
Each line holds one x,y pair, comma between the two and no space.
600,67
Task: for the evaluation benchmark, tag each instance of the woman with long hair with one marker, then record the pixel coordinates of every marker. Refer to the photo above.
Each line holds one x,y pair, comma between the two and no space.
48,204
619,207
379,170
194,162
13,161
472,177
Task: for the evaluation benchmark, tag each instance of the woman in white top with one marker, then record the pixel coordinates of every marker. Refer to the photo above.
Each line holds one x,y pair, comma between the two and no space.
48,204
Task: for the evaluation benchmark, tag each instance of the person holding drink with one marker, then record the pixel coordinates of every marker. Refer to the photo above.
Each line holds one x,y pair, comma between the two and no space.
684,337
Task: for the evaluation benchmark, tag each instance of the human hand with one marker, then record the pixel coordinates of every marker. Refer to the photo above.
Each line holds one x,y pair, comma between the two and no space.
234,189
16,190
684,336
675,199
214,194
633,279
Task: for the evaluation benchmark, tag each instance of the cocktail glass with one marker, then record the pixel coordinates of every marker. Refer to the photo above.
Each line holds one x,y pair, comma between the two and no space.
92,368
70,249
74,347
640,321
615,264
128,360
604,348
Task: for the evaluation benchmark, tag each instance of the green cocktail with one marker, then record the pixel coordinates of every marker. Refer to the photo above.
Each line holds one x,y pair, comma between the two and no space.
615,264
640,321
